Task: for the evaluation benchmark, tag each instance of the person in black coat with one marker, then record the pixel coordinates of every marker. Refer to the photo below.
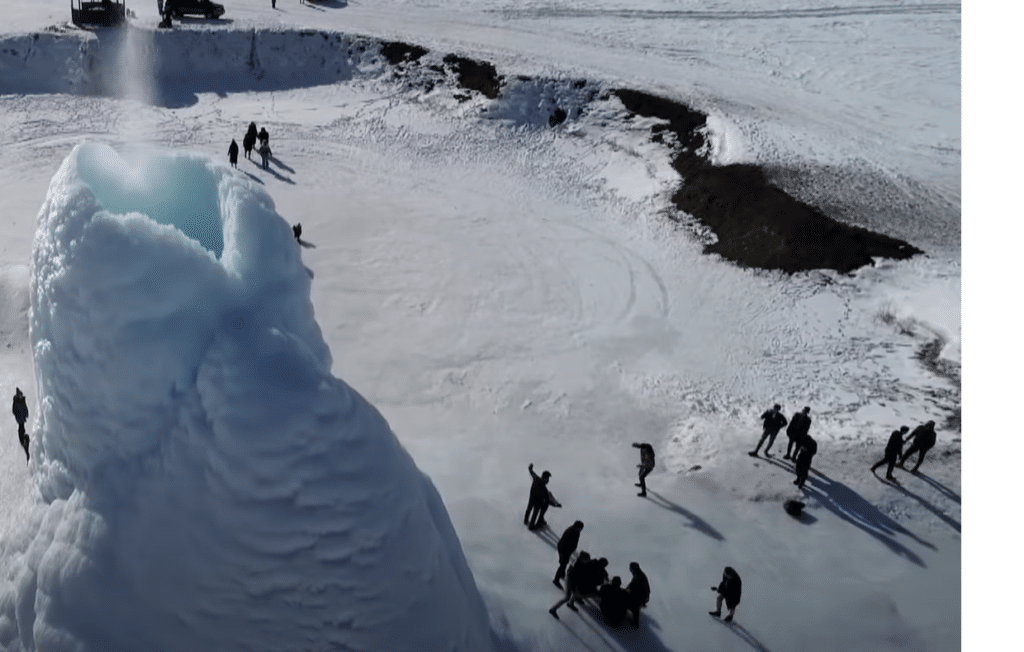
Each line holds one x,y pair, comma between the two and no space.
923,440
639,592
571,578
614,602
263,136
646,465
297,230
774,421
892,452
806,449
233,153
592,575
566,546
729,589
249,140
540,499
799,426
19,408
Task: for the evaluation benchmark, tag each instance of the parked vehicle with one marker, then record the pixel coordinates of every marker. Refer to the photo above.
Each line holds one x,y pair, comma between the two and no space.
103,13
181,8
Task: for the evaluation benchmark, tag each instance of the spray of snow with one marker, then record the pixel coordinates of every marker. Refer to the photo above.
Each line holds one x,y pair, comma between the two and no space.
206,483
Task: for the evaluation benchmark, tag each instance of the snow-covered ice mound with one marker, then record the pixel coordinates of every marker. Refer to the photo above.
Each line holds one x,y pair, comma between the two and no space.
207,484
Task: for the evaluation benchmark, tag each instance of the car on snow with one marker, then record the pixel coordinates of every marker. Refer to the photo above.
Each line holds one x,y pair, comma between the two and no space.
180,8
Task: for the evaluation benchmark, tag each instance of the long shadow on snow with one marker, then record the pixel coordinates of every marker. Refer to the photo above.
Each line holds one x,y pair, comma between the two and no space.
850,506
745,636
696,522
931,508
273,172
941,488
276,161
641,639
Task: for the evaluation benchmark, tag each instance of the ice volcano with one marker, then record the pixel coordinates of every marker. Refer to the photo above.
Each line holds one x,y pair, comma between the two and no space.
206,483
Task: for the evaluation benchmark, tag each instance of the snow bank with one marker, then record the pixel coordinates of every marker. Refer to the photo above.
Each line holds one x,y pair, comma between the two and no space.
206,483
184,61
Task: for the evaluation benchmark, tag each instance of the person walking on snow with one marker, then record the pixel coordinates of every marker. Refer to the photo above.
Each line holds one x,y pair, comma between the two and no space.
570,581
265,154
540,499
566,546
639,591
774,421
806,449
646,465
924,439
892,452
233,153
20,410
263,136
249,140
729,590
799,426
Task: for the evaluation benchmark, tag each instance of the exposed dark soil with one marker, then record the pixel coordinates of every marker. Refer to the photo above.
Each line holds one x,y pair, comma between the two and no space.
756,223
473,75
397,53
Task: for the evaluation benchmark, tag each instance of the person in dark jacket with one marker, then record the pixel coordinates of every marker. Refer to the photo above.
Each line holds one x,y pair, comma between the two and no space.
729,589
19,408
774,421
646,465
297,230
540,499
265,154
893,449
591,576
571,577
923,440
263,136
566,546
233,153
806,449
799,426
249,140
614,601
639,592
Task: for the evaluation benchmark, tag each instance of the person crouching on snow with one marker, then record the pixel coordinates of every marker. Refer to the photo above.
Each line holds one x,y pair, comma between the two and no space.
729,590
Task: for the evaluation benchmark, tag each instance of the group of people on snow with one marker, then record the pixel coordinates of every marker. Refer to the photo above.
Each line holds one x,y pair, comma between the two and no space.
587,577
249,143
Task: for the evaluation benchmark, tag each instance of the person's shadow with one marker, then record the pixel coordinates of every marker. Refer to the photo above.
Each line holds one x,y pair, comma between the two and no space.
745,636
272,171
276,161
696,522
641,639
941,488
931,508
853,508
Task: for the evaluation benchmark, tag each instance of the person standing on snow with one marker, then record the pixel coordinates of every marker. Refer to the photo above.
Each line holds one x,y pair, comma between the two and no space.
646,465
924,439
263,136
570,581
233,153
799,426
729,589
265,154
806,448
566,546
639,591
892,452
774,421
540,499
20,410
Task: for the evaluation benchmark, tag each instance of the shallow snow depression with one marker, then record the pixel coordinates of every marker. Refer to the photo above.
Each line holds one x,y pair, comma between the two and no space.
206,483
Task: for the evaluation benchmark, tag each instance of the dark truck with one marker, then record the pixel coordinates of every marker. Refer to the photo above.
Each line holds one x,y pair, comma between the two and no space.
105,13
181,8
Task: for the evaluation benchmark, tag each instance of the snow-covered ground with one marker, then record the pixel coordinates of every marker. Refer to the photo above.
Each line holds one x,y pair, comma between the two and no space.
506,293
